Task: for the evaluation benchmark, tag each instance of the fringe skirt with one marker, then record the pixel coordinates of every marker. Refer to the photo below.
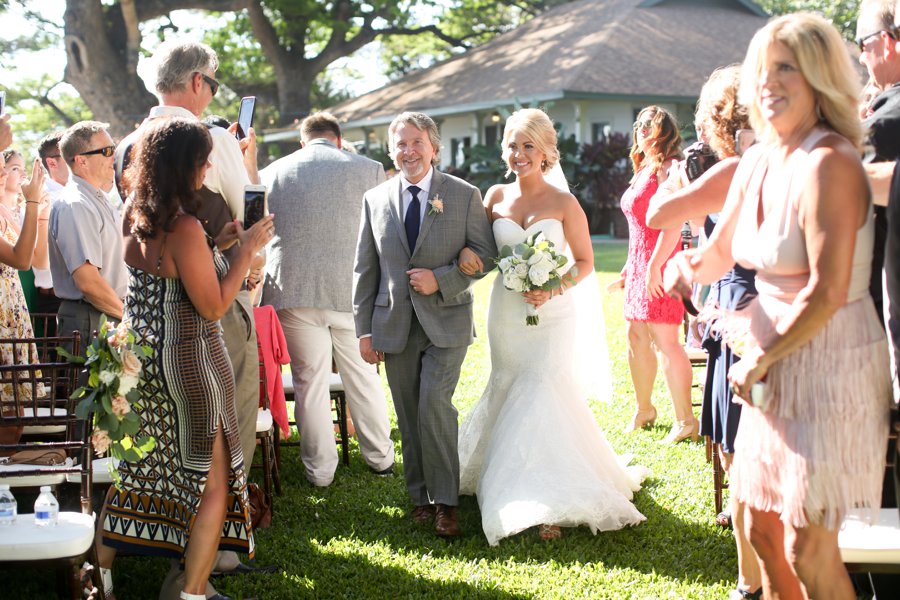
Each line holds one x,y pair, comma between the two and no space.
818,448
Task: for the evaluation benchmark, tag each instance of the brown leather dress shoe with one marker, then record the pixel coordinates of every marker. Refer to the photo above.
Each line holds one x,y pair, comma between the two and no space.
423,514
446,524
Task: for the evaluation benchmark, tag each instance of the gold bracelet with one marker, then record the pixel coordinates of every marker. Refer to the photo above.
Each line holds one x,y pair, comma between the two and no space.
32,202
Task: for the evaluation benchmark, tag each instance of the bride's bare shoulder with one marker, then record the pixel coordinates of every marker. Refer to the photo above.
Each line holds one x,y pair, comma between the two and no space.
496,194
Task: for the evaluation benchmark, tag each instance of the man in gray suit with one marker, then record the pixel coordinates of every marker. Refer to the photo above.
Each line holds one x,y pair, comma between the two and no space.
413,306
317,193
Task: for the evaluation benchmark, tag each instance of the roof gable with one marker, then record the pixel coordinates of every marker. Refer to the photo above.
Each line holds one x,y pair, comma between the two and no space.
585,48
750,5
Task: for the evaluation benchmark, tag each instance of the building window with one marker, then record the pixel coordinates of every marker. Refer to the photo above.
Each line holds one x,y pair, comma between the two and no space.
491,135
457,150
599,131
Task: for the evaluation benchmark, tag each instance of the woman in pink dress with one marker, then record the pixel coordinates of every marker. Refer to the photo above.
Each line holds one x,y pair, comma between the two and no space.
653,318
812,440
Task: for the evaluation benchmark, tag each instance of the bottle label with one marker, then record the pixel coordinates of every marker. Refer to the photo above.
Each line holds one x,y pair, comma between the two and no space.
43,514
6,513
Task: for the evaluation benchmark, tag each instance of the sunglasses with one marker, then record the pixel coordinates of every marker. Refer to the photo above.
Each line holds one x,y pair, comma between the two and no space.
861,41
106,151
213,84
645,124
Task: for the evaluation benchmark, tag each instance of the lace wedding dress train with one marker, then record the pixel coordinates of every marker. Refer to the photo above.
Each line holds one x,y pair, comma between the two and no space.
530,449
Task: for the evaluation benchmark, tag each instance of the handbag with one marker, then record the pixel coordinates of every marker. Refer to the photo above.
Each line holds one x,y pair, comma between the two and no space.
260,507
43,458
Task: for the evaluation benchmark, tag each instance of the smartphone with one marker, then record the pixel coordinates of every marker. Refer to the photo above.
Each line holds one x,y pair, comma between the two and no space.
245,116
254,204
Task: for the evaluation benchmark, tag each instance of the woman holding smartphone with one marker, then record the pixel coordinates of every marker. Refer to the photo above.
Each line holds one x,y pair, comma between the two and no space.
179,287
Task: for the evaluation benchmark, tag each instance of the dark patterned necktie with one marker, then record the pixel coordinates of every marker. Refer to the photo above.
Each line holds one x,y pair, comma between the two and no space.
413,218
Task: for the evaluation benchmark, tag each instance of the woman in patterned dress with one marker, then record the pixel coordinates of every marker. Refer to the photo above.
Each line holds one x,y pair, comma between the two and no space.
652,318
16,252
187,497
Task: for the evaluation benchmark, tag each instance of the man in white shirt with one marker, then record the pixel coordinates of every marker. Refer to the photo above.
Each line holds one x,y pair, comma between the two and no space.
51,157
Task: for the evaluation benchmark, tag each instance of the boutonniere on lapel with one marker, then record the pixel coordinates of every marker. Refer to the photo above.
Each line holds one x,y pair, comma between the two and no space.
436,205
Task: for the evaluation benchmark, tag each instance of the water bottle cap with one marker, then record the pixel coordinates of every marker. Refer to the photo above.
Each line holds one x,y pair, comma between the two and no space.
4,487
45,488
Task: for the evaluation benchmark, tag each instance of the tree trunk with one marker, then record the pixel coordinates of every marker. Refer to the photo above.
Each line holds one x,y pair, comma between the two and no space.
294,91
97,66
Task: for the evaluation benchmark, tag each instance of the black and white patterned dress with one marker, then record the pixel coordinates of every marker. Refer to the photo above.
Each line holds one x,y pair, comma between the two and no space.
187,394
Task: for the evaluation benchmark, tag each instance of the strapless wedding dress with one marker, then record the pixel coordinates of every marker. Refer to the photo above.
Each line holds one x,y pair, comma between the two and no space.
530,449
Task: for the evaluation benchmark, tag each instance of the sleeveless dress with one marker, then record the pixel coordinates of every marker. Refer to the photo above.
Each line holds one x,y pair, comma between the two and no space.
641,243
530,449
719,415
15,321
817,450
187,393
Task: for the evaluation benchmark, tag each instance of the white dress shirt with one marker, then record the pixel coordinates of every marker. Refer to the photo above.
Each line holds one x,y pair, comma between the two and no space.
425,186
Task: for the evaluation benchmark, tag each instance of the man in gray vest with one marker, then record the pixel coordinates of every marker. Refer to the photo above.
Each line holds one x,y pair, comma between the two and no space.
317,194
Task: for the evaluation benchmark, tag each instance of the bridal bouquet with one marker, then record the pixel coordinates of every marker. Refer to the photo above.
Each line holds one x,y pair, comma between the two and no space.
113,361
531,265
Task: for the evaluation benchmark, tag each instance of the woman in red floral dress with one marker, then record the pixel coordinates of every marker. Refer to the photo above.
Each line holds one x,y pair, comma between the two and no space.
653,318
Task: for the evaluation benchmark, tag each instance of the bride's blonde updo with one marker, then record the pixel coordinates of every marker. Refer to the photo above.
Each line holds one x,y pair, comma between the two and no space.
538,128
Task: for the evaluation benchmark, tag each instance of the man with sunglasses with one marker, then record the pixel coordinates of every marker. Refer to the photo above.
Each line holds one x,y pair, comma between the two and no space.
186,85
877,39
85,234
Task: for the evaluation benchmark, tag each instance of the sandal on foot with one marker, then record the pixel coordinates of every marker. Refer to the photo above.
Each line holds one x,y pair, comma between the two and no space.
723,519
742,594
549,532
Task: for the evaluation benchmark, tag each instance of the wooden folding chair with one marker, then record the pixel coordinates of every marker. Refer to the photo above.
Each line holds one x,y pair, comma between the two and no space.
266,434
338,409
37,396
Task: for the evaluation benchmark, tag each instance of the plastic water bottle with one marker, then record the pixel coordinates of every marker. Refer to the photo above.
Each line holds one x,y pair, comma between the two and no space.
46,508
8,507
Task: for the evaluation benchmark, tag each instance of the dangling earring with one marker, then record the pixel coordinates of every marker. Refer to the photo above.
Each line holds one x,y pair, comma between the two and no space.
543,165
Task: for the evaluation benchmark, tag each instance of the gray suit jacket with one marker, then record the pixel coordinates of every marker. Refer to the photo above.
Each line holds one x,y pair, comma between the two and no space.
383,301
315,194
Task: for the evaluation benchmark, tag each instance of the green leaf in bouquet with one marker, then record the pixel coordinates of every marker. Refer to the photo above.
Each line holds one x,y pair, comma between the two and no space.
110,423
106,400
131,454
84,408
561,260
78,393
147,350
72,358
132,416
145,444
129,427
133,395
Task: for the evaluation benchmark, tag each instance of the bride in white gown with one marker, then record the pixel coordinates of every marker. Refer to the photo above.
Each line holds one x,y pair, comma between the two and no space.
530,449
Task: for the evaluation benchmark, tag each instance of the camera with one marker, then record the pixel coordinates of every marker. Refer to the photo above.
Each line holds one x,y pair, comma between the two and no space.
698,158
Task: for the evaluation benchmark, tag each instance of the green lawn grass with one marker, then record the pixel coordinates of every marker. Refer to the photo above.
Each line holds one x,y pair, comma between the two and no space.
355,540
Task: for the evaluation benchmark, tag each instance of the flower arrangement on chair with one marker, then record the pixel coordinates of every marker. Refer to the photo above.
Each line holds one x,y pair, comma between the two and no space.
113,361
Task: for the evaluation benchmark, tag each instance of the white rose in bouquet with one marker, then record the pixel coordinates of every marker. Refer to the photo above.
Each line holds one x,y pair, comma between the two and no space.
539,274
512,281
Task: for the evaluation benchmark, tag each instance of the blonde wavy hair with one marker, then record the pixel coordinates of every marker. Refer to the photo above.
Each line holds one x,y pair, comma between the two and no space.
537,127
666,141
824,62
719,112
